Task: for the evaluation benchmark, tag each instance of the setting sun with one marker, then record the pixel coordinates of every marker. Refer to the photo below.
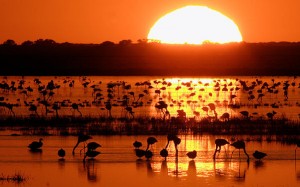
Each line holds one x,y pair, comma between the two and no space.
194,25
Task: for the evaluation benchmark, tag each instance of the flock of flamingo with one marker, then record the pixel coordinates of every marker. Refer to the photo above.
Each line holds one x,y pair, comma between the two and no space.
203,98
148,154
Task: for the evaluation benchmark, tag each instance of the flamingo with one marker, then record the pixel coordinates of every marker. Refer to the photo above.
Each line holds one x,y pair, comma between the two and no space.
91,154
219,143
150,141
164,153
240,145
170,137
259,155
148,154
81,138
139,153
36,145
92,146
192,154
137,144
61,153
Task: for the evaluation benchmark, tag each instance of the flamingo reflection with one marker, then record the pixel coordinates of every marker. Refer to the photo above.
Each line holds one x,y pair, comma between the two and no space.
192,168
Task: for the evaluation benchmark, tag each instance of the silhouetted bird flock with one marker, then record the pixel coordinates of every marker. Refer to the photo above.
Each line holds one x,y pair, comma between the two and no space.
91,152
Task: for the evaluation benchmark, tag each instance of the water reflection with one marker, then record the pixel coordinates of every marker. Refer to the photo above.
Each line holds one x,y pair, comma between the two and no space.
178,170
220,169
240,174
258,164
37,151
61,163
164,168
150,172
192,171
90,168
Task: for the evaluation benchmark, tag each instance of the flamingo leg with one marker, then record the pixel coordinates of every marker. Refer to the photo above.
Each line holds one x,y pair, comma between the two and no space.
246,154
73,152
215,152
232,153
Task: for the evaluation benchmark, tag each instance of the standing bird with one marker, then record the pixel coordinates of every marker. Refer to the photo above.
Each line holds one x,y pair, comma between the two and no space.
91,154
140,153
164,153
150,141
219,143
36,145
192,154
137,144
61,153
240,145
148,154
170,137
93,145
81,138
259,155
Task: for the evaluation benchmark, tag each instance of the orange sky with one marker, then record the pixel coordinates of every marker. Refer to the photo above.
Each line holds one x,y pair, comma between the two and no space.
95,21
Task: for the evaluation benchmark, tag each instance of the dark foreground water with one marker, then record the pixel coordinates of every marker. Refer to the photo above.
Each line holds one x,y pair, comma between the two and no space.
117,164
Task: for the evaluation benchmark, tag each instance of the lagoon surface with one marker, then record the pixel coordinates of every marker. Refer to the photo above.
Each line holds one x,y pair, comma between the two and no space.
138,96
132,99
117,164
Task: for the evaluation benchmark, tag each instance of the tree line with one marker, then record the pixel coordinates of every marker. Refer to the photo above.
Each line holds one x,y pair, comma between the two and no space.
47,57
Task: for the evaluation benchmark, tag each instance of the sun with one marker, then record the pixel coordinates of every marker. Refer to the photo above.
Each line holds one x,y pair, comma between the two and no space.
194,25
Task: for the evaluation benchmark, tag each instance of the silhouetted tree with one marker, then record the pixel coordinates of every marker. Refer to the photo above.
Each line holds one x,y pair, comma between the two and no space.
107,44
125,42
27,43
46,42
9,42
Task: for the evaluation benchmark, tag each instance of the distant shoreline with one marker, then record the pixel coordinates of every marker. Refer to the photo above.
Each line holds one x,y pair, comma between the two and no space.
151,59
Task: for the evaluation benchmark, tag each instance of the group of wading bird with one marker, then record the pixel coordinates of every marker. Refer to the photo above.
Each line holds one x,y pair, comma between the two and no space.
193,154
92,146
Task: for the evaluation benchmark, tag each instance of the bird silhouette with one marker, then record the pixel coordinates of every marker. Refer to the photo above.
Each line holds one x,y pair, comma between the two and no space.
61,153
81,138
192,154
148,154
259,155
164,153
139,153
91,154
36,145
137,144
240,145
92,146
170,137
150,141
219,143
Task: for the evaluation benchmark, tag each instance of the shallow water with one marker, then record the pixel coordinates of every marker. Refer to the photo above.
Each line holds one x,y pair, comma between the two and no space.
117,164
189,94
